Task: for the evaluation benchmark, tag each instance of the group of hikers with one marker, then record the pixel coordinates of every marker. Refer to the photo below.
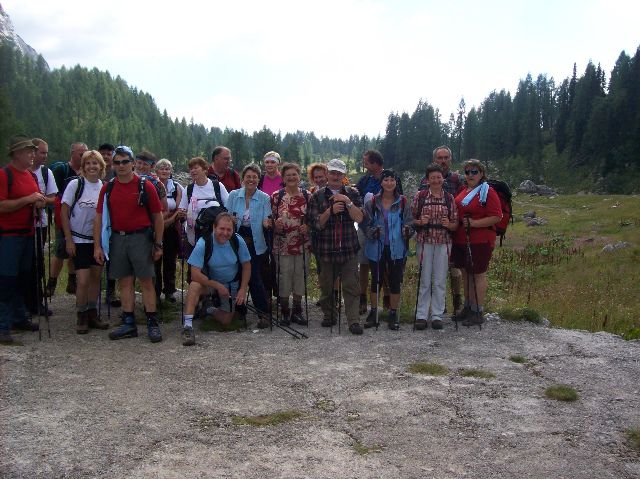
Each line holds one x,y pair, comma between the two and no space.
248,234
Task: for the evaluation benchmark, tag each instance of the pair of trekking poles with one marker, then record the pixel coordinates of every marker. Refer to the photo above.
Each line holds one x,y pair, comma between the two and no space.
41,283
471,264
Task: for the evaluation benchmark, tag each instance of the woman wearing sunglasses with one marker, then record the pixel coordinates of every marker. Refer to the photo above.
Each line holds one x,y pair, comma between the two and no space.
473,242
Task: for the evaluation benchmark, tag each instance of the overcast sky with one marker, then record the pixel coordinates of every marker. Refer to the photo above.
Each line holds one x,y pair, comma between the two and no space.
333,67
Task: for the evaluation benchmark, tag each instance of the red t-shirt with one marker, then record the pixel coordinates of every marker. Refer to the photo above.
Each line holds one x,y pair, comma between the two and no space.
23,184
125,212
230,180
477,211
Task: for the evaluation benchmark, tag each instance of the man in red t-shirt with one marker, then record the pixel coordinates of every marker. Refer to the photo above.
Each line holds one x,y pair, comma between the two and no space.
134,214
221,168
19,199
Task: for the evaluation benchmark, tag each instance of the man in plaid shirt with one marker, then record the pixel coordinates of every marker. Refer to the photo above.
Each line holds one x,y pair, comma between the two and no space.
332,211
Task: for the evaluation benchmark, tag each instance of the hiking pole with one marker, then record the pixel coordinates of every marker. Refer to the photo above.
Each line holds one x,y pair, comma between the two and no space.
37,268
304,273
48,250
473,276
415,315
270,264
288,329
378,281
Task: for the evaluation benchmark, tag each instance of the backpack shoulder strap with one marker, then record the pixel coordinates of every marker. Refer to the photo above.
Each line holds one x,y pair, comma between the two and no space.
216,189
9,174
261,181
44,170
281,194
189,192
77,194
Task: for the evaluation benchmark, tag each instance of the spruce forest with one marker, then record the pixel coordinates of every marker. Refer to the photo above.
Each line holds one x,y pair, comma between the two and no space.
579,134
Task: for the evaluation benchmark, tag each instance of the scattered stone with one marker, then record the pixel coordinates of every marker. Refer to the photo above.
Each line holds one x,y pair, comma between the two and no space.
613,247
530,188
538,221
529,214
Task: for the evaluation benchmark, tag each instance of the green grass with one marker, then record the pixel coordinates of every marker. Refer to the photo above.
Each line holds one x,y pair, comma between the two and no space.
363,450
558,271
209,324
430,369
516,358
477,373
634,438
266,419
520,314
561,392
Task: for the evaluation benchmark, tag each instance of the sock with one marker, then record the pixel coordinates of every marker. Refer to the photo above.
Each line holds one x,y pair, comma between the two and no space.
72,277
151,316
82,308
188,321
476,308
92,305
467,304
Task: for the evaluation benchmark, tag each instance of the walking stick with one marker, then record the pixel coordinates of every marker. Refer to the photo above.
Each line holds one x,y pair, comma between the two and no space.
304,272
473,276
378,282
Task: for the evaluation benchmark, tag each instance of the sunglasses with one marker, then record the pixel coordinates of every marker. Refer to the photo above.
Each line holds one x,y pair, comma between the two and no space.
471,172
121,162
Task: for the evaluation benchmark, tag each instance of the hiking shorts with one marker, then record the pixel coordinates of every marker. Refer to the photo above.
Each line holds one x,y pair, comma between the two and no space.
226,304
481,253
84,256
130,255
61,245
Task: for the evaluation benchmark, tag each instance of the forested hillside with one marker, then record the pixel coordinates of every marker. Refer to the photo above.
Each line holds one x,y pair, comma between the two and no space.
581,134
78,104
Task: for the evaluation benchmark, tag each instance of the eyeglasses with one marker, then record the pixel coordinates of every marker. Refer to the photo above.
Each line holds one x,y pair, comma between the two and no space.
471,172
121,162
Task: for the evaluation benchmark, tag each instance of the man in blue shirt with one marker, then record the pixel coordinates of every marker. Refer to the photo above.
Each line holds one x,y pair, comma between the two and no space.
226,274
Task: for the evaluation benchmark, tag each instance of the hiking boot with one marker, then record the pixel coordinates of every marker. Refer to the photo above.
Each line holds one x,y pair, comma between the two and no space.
437,324
72,284
355,329
328,322
370,322
51,286
82,326
474,319
363,304
25,325
463,314
421,324
297,318
394,323
263,323
284,320
127,329
6,338
457,304
94,321
188,337
153,330
386,302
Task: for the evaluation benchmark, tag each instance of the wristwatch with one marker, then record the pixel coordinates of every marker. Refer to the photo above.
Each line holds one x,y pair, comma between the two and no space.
349,205
157,245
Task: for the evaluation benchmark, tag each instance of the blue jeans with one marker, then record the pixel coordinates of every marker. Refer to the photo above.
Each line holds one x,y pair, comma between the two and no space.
16,257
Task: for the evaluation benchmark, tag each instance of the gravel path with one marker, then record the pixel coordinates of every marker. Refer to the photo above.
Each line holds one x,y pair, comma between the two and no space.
84,406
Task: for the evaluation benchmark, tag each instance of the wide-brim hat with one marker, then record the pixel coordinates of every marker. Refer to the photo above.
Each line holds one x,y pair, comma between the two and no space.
20,142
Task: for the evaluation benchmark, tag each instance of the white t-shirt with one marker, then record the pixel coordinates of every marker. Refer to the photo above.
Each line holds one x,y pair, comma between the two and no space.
84,212
51,189
171,187
202,197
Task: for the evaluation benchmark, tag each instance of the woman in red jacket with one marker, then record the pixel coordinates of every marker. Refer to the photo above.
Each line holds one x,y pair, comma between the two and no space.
473,242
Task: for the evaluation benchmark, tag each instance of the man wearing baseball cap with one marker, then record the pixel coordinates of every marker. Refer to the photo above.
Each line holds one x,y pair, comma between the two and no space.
19,198
332,212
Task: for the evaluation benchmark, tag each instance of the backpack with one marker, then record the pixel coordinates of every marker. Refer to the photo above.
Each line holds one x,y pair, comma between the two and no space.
77,194
505,195
282,192
206,218
216,189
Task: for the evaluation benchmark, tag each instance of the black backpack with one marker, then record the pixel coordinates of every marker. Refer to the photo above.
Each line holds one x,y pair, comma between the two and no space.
505,195
143,198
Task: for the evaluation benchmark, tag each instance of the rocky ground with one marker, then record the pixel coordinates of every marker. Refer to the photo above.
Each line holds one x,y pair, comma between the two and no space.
84,406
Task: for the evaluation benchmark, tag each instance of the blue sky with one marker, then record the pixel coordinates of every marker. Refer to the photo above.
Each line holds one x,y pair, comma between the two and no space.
333,67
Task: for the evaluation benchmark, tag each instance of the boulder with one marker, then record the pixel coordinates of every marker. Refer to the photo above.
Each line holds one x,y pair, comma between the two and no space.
538,221
528,187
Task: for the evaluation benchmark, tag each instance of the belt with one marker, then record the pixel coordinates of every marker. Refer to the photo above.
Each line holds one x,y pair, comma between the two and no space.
127,233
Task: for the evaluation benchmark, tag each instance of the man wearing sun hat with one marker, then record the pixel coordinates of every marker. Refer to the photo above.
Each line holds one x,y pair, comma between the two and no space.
19,197
332,212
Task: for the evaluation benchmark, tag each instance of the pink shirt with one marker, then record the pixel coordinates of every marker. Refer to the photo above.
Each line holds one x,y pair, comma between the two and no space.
270,185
